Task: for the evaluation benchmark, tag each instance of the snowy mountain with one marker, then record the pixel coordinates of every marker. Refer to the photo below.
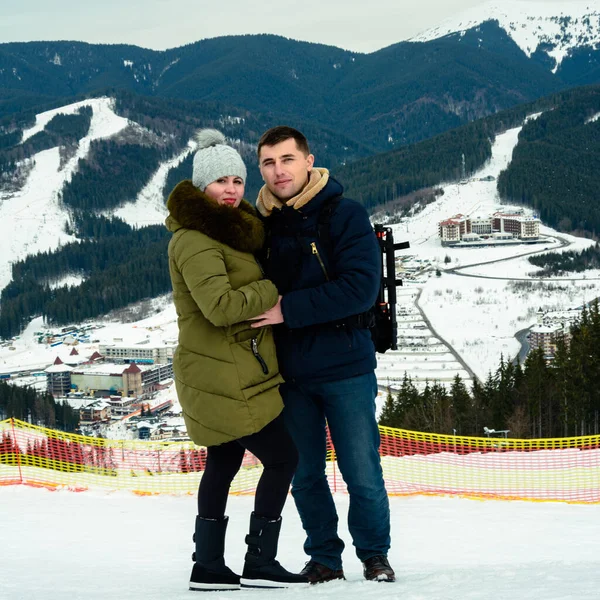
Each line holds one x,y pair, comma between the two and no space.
442,320
395,96
34,211
555,28
35,205
84,185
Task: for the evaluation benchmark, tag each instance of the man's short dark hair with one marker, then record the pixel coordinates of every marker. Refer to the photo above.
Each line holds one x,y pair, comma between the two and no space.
279,134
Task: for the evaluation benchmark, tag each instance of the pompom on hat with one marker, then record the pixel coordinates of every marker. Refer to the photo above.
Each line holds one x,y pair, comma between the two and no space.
215,159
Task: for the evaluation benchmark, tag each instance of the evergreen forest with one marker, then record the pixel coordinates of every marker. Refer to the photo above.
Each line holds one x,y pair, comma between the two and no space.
119,264
553,264
555,167
62,130
395,96
39,408
538,399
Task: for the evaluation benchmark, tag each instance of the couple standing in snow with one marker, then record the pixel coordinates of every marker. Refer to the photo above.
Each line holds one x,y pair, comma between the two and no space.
271,349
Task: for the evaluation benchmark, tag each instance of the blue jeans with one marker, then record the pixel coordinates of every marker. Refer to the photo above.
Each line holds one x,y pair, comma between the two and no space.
349,408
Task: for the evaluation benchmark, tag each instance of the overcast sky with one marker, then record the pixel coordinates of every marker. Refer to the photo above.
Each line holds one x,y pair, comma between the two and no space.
360,25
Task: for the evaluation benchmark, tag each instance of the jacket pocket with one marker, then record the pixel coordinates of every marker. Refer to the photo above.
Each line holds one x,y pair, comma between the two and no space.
255,358
259,358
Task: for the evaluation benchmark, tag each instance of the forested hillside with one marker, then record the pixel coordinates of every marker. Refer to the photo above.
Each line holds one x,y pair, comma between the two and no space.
555,169
556,165
396,96
120,265
62,130
111,174
554,264
116,169
557,152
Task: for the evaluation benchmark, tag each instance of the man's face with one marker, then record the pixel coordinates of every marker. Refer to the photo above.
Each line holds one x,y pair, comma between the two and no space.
284,168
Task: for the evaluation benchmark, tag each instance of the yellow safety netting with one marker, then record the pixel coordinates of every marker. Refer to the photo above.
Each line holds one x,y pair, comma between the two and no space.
560,469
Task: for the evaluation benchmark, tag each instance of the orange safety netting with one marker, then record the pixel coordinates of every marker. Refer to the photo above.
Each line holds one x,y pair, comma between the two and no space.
559,469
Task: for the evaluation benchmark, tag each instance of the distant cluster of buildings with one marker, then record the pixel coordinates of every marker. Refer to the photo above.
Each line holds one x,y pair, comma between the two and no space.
156,429
502,228
112,387
550,328
70,335
411,268
139,353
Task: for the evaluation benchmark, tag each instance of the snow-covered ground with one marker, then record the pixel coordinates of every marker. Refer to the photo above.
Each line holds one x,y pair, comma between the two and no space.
88,545
479,318
425,357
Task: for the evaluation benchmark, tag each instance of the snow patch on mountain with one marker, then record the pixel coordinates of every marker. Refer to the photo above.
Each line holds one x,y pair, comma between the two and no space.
558,25
33,219
149,207
104,123
593,119
71,280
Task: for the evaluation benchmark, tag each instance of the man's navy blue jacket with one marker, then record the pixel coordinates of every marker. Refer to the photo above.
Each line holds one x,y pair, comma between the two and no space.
309,347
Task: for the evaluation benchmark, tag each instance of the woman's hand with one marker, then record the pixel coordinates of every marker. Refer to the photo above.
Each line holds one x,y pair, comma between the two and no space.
273,316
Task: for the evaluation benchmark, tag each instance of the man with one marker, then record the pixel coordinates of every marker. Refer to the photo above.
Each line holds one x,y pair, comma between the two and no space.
327,281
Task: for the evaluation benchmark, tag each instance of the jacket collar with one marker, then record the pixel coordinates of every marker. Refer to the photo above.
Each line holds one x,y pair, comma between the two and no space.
240,228
267,201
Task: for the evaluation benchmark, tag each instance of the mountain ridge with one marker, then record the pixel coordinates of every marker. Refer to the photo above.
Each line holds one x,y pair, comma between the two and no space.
392,97
68,217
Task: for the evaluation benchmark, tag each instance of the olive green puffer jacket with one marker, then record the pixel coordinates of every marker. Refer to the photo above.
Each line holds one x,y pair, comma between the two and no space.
226,373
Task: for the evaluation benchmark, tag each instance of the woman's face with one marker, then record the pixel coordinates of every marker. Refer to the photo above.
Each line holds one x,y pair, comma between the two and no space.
227,191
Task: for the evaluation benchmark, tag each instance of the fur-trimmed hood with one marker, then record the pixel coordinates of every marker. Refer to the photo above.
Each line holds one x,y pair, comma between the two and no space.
239,228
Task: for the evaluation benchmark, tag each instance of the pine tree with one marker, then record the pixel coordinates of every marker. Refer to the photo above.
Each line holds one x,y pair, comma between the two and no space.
443,417
535,381
503,402
408,404
388,413
462,406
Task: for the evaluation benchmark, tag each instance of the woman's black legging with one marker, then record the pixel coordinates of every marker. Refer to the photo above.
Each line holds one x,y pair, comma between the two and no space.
274,447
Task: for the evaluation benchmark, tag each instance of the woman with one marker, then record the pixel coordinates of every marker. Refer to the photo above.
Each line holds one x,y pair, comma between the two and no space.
226,372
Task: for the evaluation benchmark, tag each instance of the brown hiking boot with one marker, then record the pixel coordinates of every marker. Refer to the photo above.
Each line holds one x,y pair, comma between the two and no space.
318,573
377,568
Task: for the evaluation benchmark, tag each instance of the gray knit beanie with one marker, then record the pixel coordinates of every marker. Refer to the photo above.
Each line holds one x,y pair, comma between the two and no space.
215,159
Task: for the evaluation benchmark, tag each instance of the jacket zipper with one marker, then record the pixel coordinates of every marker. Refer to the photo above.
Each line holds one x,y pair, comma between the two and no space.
259,358
315,251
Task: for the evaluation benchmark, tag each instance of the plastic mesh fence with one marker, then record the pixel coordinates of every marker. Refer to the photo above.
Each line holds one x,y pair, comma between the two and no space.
561,469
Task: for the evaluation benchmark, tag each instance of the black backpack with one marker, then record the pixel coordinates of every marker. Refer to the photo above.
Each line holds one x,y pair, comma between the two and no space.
380,319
